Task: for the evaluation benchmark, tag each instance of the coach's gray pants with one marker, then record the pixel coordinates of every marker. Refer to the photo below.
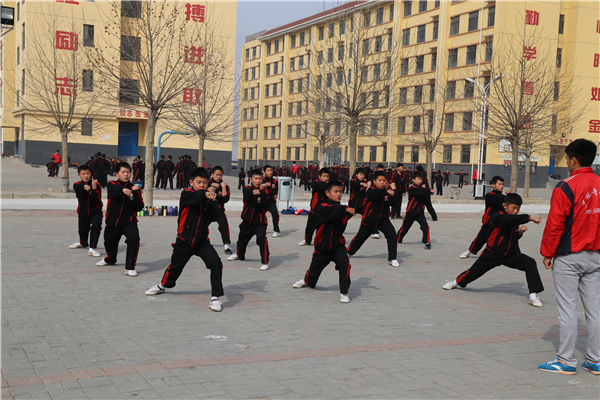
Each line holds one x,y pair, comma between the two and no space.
578,272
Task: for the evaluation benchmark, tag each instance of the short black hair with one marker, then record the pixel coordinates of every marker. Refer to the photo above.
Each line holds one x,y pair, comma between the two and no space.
419,168
162,156
83,168
323,171
513,198
583,150
103,155
217,168
332,184
200,172
267,166
255,172
377,174
418,175
497,179
123,164
380,166
170,157
361,171
399,165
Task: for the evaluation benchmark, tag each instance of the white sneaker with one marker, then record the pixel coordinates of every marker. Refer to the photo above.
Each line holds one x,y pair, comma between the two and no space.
131,272
536,303
215,305
232,257
264,267
276,234
394,263
450,285
375,236
302,243
344,298
93,253
154,290
466,254
299,284
102,263
76,246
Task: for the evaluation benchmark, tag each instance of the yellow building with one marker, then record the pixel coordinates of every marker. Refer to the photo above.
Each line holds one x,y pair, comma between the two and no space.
67,32
422,52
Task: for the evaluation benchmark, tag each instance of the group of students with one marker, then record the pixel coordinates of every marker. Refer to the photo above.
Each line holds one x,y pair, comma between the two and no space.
571,237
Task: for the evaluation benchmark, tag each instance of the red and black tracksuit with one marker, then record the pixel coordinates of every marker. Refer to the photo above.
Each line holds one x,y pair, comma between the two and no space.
461,178
503,249
357,195
241,177
399,178
223,197
272,191
254,223
89,213
415,211
330,244
439,182
493,204
160,172
197,212
318,196
446,178
376,216
121,221
168,174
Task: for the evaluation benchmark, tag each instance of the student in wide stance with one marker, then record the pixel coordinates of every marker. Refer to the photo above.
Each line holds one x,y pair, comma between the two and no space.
503,249
418,194
199,208
330,244
272,191
572,239
223,194
318,196
89,211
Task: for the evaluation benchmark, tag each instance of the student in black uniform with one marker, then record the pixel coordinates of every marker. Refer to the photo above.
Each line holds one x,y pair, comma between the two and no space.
89,211
318,196
399,178
439,183
223,195
461,178
427,200
241,177
503,249
272,191
447,178
124,200
415,210
330,244
168,173
160,173
376,215
198,209
358,188
254,220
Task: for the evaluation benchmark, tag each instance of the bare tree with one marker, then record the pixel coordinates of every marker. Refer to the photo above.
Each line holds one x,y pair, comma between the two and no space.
58,87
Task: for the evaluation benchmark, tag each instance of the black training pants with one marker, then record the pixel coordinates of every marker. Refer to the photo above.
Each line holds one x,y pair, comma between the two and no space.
91,224
481,239
224,227
438,186
409,219
246,232
112,236
275,215
168,176
518,261
182,252
397,206
320,261
365,231
311,227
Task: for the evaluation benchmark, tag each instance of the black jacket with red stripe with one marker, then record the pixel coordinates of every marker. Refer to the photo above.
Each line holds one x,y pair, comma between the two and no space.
357,194
493,204
255,206
417,197
318,194
273,188
197,212
332,217
399,178
504,237
223,196
90,201
378,206
121,209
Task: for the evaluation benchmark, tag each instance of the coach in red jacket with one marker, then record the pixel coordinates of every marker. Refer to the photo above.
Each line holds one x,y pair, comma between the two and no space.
572,239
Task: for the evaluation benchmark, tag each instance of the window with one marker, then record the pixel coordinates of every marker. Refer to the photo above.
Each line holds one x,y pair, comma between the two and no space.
392,12
130,48
320,57
449,122
491,16
251,138
374,127
404,66
300,62
432,92
267,112
272,153
373,154
399,154
18,54
254,73
471,54
266,133
451,90
291,85
433,61
452,58
489,50
467,123
469,90
416,126
300,84
556,90
436,4
265,150
330,55
406,37
268,48
486,80
86,126
385,132
561,24
277,46
289,135
299,108
247,54
447,154
558,58
254,52
298,131
88,80
341,52
367,19
321,32
23,37
131,9
274,89
422,5
331,29
273,132
473,21
342,27
377,72
275,68
267,91
329,80
302,39
419,64
244,134
407,8
267,71
418,94
365,74
421,34
293,41
129,91
297,153
454,25
390,41
18,11
378,44
379,19
252,116
319,82
273,112
436,27
340,77
361,153
401,124
414,154
365,49
403,95
88,35
375,99
465,153
292,64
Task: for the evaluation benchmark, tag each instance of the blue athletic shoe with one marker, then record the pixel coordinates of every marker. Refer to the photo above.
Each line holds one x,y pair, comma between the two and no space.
558,367
594,368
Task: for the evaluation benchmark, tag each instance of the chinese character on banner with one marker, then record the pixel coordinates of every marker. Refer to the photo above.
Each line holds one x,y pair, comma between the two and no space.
67,40
529,52
138,114
67,1
123,112
192,96
594,126
194,12
129,113
528,88
146,114
595,94
532,17
193,55
596,60
526,122
67,86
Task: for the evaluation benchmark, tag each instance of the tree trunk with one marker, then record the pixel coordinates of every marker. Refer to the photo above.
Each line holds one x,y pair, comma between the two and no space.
430,166
321,153
352,146
527,176
64,186
200,149
514,168
149,178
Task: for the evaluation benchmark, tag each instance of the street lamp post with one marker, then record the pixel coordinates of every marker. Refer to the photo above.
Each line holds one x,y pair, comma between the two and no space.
484,92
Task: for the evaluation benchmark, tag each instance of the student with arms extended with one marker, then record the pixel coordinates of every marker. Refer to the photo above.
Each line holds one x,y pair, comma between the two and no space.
89,211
